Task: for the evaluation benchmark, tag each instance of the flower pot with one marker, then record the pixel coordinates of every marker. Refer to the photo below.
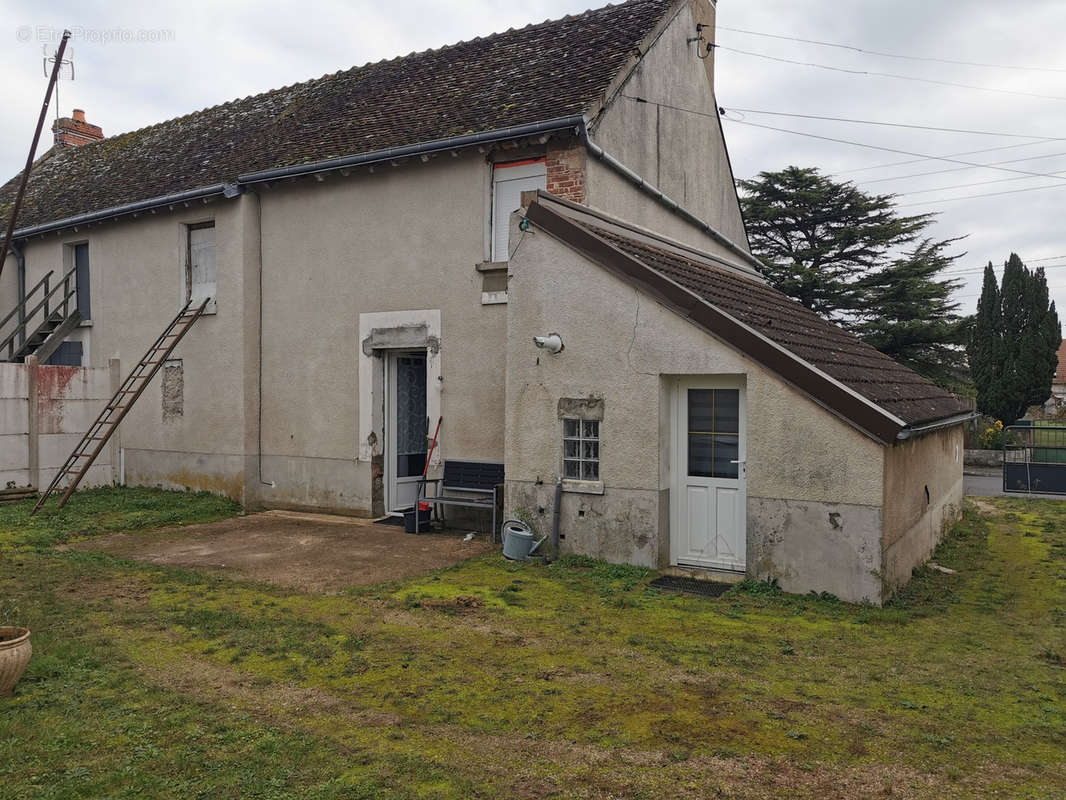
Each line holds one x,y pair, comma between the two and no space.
15,652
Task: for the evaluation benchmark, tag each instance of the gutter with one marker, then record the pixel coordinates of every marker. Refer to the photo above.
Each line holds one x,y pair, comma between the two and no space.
947,422
672,205
224,189
423,148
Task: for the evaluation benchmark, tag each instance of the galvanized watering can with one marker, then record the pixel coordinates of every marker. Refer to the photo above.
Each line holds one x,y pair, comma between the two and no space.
518,544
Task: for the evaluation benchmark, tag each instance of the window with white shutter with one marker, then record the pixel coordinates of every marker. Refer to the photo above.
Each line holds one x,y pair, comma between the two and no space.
509,180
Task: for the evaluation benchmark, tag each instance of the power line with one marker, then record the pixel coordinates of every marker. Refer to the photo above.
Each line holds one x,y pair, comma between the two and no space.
986,194
869,73
898,125
890,149
949,155
845,141
990,164
965,185
976,270
889,55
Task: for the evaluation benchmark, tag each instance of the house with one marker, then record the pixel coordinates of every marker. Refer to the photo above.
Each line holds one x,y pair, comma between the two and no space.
1058,382
366,273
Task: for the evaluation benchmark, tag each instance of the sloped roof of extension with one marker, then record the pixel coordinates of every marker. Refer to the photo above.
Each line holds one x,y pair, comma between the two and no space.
872,391
549,71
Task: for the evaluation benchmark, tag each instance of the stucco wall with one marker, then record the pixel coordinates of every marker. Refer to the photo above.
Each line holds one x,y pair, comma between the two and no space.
625,347
136,271
913,522
681,153
405,238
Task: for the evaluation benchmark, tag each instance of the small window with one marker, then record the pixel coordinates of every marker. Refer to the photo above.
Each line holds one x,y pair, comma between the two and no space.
713,432
200,281
509,180
581,449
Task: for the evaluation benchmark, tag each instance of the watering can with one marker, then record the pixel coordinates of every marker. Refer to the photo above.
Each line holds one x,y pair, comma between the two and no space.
518,544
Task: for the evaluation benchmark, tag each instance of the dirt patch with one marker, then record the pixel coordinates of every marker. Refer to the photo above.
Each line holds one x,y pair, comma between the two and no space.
307,552
985,507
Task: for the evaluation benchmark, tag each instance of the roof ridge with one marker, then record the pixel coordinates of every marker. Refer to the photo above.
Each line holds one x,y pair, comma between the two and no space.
381,61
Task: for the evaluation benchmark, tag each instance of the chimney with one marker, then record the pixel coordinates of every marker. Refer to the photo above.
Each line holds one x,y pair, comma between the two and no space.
75,131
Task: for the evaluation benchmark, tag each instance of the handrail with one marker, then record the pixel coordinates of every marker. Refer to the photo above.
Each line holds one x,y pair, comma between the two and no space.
68,293
26,299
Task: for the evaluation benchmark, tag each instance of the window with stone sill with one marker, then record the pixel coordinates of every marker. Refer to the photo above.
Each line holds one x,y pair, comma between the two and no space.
581,449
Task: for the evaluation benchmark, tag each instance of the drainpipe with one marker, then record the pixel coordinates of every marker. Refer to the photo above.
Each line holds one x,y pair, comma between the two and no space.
259,360
617,166
555,518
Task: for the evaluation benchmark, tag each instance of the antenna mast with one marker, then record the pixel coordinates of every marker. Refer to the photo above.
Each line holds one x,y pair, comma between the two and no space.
56,66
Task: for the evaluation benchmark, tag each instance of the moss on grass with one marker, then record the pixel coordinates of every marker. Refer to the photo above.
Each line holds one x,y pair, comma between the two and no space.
497,679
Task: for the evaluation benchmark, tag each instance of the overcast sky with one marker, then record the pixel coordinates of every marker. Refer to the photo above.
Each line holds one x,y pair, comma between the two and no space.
138,63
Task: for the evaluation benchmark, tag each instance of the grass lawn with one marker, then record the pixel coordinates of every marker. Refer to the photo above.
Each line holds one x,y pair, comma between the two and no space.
501,680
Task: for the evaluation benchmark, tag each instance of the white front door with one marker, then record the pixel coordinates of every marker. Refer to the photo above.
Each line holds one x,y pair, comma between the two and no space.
406,425
709,490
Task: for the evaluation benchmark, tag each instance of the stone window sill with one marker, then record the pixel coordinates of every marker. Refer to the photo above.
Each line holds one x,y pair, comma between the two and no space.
582,487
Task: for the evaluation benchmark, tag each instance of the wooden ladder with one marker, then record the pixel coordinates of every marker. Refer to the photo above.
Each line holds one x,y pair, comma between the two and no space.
79,461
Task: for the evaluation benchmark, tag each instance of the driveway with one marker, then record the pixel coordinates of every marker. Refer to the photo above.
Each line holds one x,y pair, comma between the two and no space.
990,484
308,552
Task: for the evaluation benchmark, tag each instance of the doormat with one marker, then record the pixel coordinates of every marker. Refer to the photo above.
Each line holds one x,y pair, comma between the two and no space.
389,521
672,583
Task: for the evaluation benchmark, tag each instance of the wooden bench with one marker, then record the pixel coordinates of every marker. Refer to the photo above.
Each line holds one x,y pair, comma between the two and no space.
471,484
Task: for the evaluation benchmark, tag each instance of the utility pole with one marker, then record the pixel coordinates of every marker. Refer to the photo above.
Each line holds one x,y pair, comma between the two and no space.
33,148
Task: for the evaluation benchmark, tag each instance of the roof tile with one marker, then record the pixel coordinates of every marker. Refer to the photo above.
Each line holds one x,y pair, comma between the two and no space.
838,353
533,74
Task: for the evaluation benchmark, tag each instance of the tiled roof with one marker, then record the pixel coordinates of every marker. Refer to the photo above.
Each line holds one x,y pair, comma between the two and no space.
838,353
534,74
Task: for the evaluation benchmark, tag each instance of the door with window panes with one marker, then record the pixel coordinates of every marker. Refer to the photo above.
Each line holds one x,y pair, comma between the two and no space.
709,486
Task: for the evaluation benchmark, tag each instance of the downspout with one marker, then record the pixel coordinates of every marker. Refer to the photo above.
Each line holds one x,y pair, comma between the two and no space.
259,357
673,206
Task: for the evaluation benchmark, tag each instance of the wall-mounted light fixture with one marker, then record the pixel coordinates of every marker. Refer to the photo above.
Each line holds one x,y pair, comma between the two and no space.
553,343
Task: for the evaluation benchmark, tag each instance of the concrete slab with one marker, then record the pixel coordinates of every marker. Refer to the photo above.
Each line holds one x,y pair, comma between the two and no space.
307,552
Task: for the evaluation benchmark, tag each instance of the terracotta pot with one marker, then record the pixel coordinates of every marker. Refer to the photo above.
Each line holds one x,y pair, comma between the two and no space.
15,652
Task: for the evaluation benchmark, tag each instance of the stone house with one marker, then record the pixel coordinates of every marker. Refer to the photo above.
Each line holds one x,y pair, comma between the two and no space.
367,275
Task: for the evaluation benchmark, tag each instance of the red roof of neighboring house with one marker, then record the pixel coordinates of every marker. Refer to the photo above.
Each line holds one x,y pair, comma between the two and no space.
1060,370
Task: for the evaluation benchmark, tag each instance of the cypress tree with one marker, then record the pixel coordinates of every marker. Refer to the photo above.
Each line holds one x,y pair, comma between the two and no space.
1013,342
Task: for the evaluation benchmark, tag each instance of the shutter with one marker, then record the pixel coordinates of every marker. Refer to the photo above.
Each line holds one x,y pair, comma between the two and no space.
508,183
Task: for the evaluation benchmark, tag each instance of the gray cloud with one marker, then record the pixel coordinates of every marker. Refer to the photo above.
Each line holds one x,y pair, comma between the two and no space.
220,51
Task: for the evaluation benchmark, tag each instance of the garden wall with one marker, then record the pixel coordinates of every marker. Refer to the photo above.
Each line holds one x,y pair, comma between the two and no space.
44,411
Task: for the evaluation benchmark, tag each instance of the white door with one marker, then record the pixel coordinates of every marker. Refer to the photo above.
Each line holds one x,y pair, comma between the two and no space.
406,426
709,506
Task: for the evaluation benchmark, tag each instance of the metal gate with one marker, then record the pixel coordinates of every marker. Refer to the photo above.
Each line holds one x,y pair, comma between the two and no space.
1034,459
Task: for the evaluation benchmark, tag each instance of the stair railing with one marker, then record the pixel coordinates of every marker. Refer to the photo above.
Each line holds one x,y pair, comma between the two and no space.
69,289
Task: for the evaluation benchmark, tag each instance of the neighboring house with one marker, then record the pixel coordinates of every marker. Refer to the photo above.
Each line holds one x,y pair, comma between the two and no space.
1058,383
367,273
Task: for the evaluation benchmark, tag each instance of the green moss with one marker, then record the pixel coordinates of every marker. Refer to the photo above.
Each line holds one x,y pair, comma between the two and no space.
500,679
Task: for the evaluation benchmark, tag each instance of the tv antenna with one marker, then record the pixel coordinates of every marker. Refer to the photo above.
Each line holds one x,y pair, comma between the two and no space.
56,63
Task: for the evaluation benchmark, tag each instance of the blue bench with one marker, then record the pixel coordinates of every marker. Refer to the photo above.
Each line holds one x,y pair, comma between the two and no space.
471,484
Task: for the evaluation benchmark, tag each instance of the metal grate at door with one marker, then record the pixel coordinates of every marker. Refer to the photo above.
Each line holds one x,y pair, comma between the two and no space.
672,583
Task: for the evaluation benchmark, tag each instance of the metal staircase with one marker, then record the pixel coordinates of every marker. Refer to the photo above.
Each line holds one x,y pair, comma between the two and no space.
45,317
94,440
